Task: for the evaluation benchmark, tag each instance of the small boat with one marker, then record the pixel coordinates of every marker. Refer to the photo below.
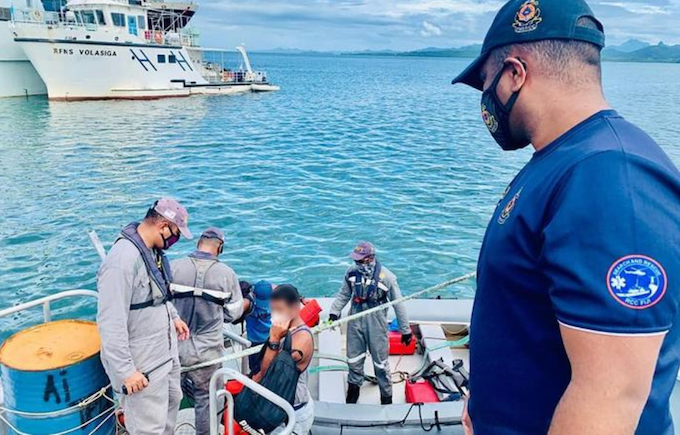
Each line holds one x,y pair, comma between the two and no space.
440,328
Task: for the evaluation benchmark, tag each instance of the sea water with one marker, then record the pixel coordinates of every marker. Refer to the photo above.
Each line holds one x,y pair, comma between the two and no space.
352,148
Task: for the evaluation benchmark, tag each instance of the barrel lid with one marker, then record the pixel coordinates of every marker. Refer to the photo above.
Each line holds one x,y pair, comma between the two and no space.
51,345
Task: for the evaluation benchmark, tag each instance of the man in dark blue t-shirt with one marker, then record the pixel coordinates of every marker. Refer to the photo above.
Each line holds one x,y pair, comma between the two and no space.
575,328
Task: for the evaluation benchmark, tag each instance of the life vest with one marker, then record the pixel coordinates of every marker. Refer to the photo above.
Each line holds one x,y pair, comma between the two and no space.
202,267
372,292
159,278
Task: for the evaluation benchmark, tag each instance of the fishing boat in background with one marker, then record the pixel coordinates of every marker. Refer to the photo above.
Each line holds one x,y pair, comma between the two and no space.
19,77
125,49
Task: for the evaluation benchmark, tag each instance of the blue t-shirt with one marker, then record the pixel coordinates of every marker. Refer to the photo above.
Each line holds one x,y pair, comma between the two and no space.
585,236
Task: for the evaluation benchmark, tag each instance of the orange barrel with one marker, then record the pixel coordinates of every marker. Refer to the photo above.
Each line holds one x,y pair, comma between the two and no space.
49,369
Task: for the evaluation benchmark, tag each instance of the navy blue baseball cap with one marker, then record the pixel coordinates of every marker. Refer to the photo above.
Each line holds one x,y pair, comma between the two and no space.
521,21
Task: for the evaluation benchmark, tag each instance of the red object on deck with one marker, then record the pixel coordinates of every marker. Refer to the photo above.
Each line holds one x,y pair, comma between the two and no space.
420,392
310,312
398,348
234,387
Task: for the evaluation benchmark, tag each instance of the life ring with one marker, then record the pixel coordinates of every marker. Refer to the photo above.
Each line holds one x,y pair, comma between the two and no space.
158,37
37,15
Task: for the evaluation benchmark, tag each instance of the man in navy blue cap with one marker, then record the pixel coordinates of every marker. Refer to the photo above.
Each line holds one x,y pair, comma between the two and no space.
575,326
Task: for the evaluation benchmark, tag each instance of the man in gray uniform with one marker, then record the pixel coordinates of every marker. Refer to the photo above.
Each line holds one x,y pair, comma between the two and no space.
369,284
138,324
205,311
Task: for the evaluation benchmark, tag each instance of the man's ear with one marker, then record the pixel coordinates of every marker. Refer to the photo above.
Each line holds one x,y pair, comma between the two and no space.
518,69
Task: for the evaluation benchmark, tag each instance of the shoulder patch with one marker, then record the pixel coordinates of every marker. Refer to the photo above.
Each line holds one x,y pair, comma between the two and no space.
637,281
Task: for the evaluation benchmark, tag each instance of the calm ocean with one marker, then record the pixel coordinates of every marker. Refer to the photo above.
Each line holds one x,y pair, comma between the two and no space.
351,148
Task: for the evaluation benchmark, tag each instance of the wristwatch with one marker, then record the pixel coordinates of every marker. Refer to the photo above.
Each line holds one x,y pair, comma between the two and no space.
275,345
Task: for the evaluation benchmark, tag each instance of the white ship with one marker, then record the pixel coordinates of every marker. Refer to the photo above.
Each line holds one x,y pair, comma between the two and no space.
19,78
124,49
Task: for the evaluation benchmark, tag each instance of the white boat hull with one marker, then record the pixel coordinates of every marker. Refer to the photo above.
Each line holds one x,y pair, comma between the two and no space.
19,77
84,70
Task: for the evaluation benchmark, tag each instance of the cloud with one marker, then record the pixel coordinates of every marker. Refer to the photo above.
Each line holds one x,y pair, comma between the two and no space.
639,8
430,29
401,24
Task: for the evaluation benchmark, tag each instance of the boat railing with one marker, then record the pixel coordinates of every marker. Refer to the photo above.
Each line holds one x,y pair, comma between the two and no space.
46,303
225,374
216,74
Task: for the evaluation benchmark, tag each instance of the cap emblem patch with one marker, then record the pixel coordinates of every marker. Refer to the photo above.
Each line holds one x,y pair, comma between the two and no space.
636,281
490,120
528,17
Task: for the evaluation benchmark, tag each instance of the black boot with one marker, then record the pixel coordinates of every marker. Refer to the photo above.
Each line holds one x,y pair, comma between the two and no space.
353,393
385,400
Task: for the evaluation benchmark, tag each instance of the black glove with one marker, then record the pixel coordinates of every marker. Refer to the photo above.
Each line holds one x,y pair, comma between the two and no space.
333,317
406,338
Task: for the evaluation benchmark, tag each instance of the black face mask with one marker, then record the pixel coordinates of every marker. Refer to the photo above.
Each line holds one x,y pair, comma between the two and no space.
496,116
167,243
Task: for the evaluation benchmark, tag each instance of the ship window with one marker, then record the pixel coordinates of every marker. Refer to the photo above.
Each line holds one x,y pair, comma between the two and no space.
117,19
172,58
100,17
161,58
88,17
141,22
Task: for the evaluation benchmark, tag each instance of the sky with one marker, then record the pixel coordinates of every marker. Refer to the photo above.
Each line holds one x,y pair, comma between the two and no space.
345,25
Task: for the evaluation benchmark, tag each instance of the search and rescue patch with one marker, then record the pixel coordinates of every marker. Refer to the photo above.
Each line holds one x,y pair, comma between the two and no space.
505,214
528,17
637,281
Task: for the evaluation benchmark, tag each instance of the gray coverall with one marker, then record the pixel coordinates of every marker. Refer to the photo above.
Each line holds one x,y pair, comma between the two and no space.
370,332
205,319
138,340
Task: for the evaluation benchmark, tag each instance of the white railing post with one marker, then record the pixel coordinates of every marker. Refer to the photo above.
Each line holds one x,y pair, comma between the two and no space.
230,374
47,312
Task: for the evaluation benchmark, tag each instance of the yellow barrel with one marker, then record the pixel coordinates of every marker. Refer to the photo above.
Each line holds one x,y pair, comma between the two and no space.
50,368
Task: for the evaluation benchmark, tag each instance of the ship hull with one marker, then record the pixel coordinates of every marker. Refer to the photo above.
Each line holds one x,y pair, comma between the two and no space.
19,77
89,70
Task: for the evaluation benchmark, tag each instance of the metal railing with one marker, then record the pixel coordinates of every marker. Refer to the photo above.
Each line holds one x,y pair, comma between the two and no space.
215,394
46,303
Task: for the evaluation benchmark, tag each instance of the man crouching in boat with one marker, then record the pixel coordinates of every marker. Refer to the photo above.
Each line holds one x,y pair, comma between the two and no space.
369,284
138,324
220,302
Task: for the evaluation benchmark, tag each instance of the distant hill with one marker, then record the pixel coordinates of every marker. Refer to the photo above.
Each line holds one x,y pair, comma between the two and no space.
630,51
631,45
647,53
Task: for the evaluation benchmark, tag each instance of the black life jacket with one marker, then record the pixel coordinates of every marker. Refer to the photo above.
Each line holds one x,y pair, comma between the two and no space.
372,293
202,267
282,379
159,278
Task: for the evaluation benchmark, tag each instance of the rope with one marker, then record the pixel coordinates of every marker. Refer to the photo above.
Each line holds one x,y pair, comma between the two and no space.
332,325
101,414
78,406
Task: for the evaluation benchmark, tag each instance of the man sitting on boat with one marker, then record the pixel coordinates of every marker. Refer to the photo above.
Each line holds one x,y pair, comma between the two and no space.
369,284
286,304
205,312
138,324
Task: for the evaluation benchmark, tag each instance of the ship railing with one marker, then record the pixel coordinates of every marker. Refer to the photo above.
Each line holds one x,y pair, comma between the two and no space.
215,73
46,303
217,390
